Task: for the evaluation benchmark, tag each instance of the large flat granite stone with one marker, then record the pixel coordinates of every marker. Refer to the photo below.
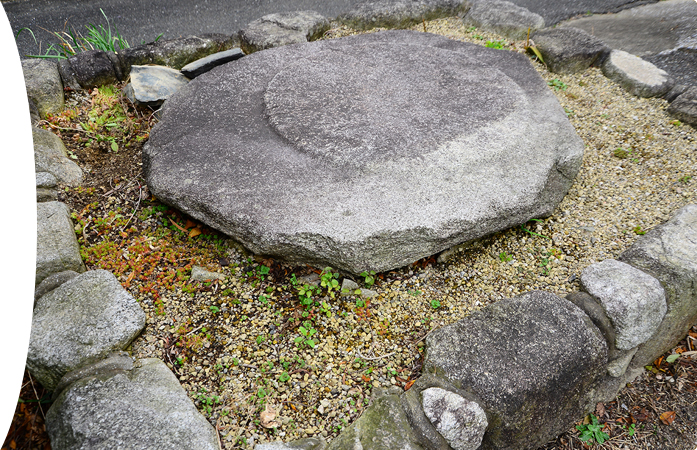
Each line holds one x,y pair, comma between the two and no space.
368,152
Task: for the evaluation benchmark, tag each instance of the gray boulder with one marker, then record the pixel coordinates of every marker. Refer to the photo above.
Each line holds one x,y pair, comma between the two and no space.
142,408
80,322
405,167
680,63
203,65
462,423
400,13
175,53
46,187
636,76
53,281
502,17
33,112
684,107
57,249
669,253
275,30
535,389
94,68
569,50
114,361
50,155
382,426
152,85
44,86
68,75
634,301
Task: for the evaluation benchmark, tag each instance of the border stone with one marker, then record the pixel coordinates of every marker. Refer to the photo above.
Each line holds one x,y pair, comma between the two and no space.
92,68
684,107
667,252
50,155
51,282
80,322
400,13
634,301
152,85
275,30
503,17
57,248
44,85
203,65
462,423
117,361
569,50
636,76
142,408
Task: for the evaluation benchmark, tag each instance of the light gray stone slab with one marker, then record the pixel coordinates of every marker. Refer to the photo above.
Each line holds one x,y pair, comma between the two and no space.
634,301
346,153
637,76
53,281
461,422
152,85
199,273
535,355
142,408
400,13
669,253
503,17
50,155
79,322
57,249
275,30
44,85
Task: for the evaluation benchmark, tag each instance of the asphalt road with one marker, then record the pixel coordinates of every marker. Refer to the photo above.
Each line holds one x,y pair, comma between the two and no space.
142,21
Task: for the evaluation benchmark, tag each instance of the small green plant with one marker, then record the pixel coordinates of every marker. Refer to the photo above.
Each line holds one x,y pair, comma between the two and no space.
262,271
435,304
471,29
360,303
368,277
207,402
261,339
499,45
532,233
686,179
505,257
591,432
637,230
329,281
530,47
306,332
557,84
631,429
214,309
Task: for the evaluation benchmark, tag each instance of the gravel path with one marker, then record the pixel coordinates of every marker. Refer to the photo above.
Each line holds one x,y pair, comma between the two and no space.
241,340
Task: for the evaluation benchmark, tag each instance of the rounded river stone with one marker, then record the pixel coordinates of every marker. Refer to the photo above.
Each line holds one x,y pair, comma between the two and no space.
364,153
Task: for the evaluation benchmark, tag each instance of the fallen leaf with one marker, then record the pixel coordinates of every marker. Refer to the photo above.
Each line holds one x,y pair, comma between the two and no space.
365,378
600,409
178,226
267,417
189,223
409,385
194,232
667,417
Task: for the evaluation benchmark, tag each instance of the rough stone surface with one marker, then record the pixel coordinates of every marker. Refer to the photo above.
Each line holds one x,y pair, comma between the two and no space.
400,13
199,273
675,92
44,86
669,253
33,112
275,30
51,156
80,322
93,68
53,281
684,107
45,180
569,50
175,53
144,408
462,423
57,249
300,444
203,65
152,85
532,390
504,18
382,426
405,166
68,75
663,33
634,301
114,361
46,190
637,76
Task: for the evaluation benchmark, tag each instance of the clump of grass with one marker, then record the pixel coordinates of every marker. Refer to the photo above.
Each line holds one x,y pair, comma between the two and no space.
72,42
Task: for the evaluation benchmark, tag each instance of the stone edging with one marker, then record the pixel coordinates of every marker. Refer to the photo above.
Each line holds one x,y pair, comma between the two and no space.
611,322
